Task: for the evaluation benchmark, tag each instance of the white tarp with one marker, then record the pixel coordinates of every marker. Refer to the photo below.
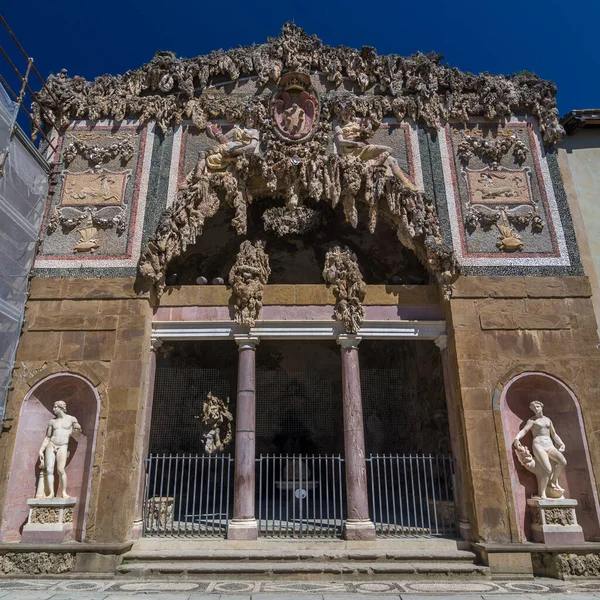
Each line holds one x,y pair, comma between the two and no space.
23,193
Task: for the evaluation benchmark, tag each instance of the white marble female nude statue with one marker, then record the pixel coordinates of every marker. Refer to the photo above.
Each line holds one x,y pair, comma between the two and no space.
549,460
54,450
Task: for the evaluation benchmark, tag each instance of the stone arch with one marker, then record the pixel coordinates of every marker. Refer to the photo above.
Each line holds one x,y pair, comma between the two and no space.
562,406
83,402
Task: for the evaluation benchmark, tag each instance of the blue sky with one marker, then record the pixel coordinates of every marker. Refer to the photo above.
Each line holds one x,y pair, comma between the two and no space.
556,40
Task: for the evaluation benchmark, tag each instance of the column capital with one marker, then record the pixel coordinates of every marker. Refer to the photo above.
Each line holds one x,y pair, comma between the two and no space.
348,340
246,342
441,342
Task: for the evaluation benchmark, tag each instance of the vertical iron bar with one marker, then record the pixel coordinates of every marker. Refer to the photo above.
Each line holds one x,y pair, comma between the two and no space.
228,496
334,496
194,496
222,468
379,494
300,511
201,497
314,491
148,516
187,494
280,492
320,463
373,515
393,483
260,467
387,500
341,501
174,492
163,498
180,494
412,484
417,463
214,495
424,460
435,516
327,493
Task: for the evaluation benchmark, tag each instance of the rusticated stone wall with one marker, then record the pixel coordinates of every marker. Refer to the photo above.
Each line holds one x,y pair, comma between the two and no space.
99,329
499,327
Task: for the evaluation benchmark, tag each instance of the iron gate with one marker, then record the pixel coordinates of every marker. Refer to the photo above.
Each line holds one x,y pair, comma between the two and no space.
412,495
300,496
187,495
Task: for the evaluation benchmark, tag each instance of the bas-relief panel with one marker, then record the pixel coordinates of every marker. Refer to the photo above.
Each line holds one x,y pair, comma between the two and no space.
189,141
500,196
96,208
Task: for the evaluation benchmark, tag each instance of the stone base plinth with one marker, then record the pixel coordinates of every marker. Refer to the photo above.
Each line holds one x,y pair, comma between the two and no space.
359,530
242,529
553,521
50,520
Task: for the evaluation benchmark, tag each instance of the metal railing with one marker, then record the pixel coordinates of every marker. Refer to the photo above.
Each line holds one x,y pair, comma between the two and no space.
412,495
187,495
300,496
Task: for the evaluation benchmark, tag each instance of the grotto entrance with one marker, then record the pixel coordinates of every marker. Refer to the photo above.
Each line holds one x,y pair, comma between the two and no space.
300,487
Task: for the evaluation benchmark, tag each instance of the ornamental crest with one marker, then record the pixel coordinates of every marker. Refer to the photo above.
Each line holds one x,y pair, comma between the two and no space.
295,107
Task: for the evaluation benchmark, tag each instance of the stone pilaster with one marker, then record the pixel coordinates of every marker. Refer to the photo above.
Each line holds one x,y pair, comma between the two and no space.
459,493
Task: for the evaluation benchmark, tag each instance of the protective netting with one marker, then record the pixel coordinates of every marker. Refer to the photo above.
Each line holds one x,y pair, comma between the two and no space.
23,193
185,373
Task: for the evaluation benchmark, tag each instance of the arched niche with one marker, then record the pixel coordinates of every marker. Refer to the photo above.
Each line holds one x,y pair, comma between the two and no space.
83,403
562,407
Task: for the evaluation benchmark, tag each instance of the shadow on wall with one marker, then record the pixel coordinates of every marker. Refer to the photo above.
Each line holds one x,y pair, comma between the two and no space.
562,407
83,403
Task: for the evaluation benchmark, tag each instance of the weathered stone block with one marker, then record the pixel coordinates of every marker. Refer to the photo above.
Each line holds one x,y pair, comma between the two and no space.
126,373
510,563
99,345
71,345
279,294
124,399
495,287
545,287
39,345
99,288
317,295
42,288
577,287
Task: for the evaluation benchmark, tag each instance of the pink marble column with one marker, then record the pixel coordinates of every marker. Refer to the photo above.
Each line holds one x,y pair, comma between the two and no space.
459,493
357,526
243,526
143,440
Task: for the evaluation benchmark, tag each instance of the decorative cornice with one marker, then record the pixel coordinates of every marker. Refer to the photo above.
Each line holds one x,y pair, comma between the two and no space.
169,89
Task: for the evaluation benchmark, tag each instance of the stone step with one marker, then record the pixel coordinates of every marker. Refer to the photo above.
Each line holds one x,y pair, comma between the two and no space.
329,570
287,554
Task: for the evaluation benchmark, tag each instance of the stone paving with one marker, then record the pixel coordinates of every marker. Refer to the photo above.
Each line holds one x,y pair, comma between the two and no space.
89,589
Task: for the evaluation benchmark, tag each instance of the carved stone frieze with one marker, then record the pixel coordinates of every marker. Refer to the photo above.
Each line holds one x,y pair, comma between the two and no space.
501,194
248,278
44,514
342,272
95,154
37,563
420,87
577,565
492,149
559,516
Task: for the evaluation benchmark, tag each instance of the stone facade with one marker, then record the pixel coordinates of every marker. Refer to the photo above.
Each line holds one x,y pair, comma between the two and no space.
464,237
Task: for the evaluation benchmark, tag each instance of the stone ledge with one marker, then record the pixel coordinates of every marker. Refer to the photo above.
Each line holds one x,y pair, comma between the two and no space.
535,547
302,295
98,548
521,287
113,288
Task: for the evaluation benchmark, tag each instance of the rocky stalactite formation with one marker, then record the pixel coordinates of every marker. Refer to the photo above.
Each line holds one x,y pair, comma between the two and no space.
315,174
248,278
170,89
342,272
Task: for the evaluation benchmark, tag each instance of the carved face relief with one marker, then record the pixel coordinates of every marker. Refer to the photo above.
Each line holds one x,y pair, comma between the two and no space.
295,107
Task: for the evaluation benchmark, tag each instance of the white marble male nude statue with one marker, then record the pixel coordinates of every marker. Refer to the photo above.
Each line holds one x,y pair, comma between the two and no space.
54,450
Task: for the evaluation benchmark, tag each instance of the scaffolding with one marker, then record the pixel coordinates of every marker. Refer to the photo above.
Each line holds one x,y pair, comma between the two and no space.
24,172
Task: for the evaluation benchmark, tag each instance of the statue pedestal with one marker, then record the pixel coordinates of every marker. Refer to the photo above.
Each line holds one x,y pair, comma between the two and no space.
553,521
50,520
